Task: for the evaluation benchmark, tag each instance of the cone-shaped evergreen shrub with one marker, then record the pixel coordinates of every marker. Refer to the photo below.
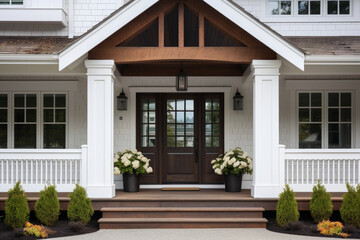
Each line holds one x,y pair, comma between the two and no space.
320,204
286,208
16,207
47,207
350,208
80,208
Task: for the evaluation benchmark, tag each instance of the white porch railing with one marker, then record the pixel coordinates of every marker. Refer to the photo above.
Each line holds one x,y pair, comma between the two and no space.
37,167
333,167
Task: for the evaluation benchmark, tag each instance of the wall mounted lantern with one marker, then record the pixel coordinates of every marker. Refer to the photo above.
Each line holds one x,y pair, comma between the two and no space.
181,81
238,101
122,101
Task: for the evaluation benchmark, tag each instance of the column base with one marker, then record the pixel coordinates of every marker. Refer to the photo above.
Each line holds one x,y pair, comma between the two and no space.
101,191
265,191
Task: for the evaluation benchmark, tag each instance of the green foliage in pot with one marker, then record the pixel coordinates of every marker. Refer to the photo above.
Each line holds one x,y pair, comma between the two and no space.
234,161
131,162
80,208
287,208
320,204
350,208
47,207
16,207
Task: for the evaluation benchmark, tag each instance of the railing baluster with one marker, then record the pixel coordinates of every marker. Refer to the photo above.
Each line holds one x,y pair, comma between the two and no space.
2,171
339,177
312,171
22,171
353,171
323,172
7,171
66,177
32,170
56,178
17,170
12,172
302,171
76,171
333,166
46,172
328,172
41,172
307,171
344,176
349,172
358,171
71,165
61,166
37,172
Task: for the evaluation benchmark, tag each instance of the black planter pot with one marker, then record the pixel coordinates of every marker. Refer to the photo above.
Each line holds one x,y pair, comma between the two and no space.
233,182
131,182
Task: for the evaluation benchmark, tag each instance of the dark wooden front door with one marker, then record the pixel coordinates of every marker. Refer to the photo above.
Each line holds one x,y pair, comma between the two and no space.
181,133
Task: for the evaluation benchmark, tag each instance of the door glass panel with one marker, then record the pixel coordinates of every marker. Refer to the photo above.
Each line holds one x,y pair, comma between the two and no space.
189,117
180,123
189,129
148,126
212,120
189,105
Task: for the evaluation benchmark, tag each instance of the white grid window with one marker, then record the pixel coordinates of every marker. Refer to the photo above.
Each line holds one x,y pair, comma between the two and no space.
11,2
4,118
336,7
324,119
54,120
279,7
309,7
25,120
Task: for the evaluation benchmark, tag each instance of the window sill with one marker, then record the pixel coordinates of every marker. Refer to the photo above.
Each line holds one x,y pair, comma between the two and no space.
309,19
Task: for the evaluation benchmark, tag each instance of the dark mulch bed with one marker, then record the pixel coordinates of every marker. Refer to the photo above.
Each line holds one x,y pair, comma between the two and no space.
308,225
61,227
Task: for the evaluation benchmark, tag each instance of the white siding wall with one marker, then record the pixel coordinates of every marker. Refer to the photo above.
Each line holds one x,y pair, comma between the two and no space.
88,13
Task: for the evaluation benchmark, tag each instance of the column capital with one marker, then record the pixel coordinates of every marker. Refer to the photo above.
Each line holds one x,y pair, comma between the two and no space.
100,67
265,67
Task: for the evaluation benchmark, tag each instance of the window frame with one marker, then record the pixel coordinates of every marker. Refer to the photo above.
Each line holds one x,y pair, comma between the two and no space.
279,15
338,13
39,117
309,14
14,5
8,123
324,117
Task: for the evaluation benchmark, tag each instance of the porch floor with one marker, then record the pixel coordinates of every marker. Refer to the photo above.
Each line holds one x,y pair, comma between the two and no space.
202,198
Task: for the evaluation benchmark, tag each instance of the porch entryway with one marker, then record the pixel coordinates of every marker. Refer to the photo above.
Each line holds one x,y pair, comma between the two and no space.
181,133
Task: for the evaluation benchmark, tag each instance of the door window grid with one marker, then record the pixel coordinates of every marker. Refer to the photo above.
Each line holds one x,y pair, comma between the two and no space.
148,126
180,123
25,120
339,119
212,122
54,120
4,111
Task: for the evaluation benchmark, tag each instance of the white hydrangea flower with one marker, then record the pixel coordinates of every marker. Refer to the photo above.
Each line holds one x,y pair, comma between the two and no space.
231,162
236,164
244,164
213,161
226,158
250,166
245,154
116,171
218,171
124,159
144,159
149,170
135,164
127,163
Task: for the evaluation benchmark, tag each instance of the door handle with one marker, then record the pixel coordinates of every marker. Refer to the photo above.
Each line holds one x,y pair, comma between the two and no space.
196,148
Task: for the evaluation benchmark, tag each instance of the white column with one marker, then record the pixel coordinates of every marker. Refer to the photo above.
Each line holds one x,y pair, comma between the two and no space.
100,128
266,176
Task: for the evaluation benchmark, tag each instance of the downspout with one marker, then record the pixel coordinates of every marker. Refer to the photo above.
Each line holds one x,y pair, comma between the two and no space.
71,18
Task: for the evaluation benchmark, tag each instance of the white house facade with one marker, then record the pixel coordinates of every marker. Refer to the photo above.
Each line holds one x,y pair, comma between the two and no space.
63,64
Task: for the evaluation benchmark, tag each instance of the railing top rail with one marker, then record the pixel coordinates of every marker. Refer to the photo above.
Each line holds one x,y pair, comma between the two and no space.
323,151
40,154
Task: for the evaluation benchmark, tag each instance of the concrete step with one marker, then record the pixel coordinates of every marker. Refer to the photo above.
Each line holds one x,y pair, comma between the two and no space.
182,212
137,223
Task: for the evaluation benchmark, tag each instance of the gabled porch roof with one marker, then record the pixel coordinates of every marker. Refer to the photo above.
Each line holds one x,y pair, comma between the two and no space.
227,8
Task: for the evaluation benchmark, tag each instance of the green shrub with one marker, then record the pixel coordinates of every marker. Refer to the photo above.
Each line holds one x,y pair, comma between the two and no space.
320,204
47,207
350,208
16,207
80,208
286,208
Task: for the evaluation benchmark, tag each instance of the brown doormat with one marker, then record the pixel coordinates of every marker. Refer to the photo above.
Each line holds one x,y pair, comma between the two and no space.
180,189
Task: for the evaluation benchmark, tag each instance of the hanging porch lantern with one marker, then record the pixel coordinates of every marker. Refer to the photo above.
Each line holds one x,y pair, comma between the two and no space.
238,100
122,101
181,81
